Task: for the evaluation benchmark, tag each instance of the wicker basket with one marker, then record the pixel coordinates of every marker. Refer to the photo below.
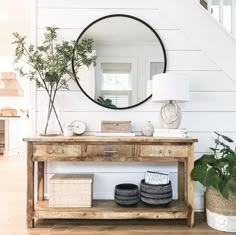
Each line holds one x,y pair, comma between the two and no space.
221,213
70,190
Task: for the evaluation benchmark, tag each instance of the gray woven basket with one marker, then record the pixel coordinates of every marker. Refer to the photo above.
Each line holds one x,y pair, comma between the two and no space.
156,195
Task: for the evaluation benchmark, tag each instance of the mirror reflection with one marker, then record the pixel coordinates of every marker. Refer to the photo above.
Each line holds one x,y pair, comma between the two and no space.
128,53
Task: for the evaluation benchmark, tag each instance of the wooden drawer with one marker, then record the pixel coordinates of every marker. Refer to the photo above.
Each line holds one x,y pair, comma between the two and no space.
163,151
50,150
108,150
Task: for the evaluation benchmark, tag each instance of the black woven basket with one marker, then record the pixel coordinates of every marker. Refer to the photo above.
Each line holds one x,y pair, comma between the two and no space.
126,194
156,195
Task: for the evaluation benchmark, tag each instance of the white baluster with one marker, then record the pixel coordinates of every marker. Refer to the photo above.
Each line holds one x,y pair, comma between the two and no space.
221,12
209,4
233,3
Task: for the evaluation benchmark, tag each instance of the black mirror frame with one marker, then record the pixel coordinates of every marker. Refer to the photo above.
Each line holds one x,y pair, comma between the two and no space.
110,16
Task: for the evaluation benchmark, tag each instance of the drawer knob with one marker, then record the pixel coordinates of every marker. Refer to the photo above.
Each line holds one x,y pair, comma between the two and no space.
169,151
160,151
51,151
110,152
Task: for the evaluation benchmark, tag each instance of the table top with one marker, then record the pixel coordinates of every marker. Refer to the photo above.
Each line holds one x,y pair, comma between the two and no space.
11,118
87,138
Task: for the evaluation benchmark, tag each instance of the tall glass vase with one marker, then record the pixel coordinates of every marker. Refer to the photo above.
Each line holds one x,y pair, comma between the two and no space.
49,122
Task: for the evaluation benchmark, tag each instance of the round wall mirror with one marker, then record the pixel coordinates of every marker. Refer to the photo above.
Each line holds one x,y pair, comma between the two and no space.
128,52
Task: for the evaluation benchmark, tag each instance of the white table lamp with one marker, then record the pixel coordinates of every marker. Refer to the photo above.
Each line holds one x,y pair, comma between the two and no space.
170,88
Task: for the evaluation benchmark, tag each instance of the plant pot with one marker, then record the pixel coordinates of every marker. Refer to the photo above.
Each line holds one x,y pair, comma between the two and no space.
220,212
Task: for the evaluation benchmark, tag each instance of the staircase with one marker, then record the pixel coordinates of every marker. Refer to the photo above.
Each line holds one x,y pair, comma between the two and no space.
223,11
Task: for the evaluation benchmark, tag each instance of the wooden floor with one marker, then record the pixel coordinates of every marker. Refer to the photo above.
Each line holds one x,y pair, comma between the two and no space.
12,213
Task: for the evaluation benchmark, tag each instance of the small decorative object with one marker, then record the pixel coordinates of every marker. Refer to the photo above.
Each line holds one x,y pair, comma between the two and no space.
68,131
116,126
50,65
217,172
71,190
182,133
126,194
78,127
148,129
156,195
8,112
156,178
170,88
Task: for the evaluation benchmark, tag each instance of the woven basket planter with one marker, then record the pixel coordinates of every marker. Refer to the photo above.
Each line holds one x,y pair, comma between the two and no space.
221,213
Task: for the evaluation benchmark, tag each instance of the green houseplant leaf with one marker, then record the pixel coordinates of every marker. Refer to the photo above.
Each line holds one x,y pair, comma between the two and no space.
217,169
199,174
105,102
225,137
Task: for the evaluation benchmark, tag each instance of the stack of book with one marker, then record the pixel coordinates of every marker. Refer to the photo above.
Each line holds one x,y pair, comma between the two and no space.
170,133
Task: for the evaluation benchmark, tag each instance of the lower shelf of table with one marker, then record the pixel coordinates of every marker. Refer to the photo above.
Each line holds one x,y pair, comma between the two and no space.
108,209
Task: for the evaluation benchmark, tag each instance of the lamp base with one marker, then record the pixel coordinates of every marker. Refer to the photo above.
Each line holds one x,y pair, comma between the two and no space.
171,115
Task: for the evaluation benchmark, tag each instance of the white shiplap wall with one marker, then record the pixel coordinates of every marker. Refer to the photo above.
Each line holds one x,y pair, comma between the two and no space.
212,106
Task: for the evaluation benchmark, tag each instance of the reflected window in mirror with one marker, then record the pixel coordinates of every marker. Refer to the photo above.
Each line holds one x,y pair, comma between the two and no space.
117,83
116,76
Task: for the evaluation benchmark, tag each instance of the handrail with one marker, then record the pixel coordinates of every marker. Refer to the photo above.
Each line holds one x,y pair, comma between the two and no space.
221,4
203,3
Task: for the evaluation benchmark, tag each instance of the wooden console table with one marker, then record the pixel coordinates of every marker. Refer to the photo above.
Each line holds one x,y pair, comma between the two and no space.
111,149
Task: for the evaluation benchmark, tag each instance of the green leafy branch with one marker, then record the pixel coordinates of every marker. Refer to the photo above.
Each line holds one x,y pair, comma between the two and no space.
50,64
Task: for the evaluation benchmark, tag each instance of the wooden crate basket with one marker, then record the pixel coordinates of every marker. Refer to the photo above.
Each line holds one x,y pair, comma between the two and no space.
71,190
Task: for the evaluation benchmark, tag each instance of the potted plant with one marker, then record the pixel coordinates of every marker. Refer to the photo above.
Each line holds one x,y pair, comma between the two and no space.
217,172
49,64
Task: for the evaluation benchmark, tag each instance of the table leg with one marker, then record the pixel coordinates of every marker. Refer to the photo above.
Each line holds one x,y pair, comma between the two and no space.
181,181
190,184
30,185
40,181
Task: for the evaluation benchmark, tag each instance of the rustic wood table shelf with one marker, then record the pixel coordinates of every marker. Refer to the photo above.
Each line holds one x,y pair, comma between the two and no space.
112,149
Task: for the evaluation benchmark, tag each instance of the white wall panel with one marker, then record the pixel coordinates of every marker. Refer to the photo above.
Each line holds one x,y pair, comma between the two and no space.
193,121
190,61
172,39
72,101
80,18
199,81
132,4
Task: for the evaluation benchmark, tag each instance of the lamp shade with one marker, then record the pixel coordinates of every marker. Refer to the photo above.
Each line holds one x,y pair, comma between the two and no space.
170,86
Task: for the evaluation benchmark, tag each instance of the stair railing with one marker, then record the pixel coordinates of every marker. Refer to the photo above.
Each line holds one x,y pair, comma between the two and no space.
209,4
